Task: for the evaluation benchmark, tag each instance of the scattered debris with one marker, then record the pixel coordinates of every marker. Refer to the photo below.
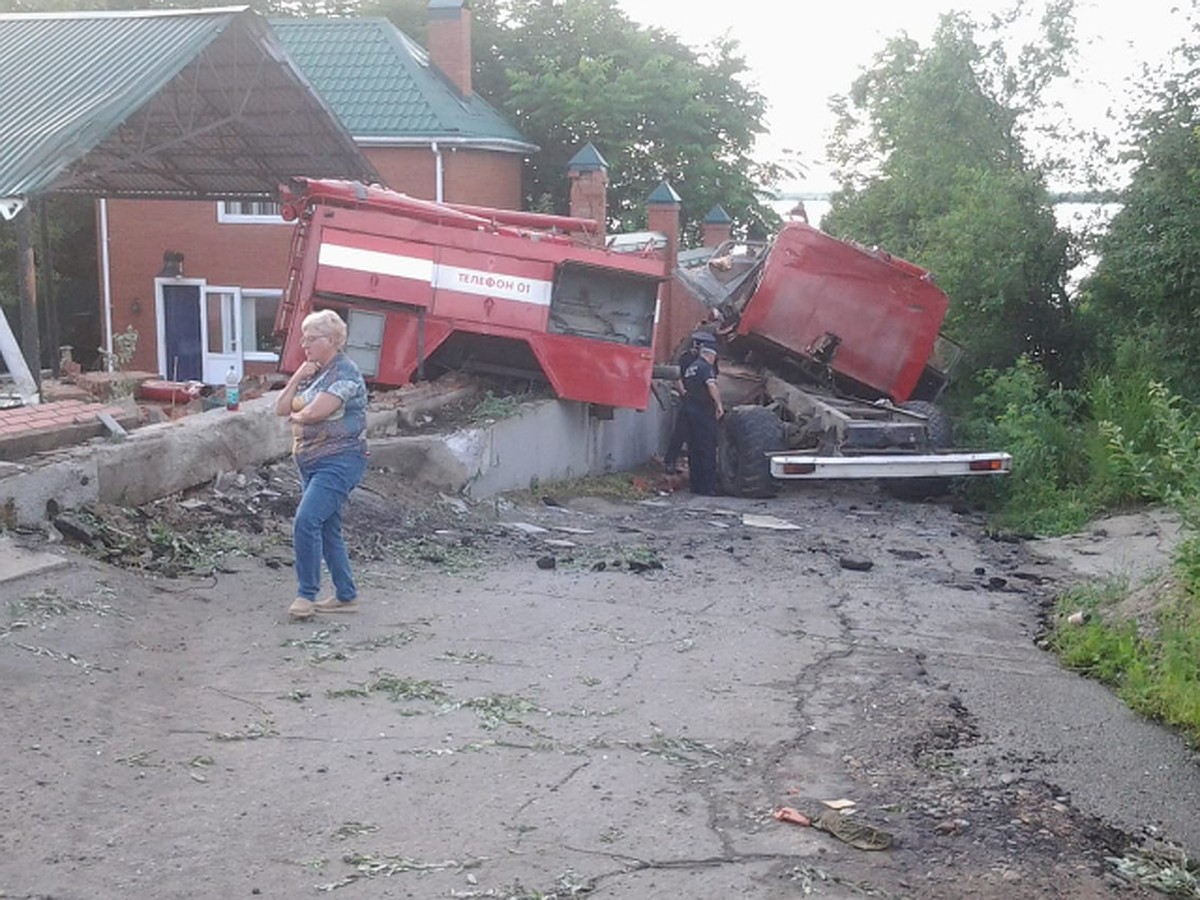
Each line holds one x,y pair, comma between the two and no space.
839,804
856,563
787,814
751,520
907,554
527,528
370,866
352,829
1167,870
848,831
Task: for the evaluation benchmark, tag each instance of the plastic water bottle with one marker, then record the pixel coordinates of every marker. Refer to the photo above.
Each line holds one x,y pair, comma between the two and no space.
232,389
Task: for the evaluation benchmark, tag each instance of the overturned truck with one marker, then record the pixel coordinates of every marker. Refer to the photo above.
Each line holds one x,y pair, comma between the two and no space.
833,353
836,364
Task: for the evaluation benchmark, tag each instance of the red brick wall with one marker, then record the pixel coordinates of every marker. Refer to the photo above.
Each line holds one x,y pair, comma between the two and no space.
589,198
140,231
448,35
477,177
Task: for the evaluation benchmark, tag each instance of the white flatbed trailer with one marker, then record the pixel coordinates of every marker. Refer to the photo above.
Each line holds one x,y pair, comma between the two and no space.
789,465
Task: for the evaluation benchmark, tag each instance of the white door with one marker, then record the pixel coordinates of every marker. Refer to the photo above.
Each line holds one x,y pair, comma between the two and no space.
364,338
221,333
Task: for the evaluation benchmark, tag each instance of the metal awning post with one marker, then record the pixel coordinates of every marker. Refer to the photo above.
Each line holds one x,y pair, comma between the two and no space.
31,342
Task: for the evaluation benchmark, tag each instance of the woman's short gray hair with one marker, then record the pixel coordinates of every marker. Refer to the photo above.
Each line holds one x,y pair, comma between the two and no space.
326,323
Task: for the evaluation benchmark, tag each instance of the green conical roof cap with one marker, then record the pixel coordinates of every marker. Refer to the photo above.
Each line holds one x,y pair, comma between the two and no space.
717,216
664,193
588,159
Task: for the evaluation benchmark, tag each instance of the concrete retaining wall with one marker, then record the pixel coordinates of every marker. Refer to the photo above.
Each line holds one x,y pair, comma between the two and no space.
547,441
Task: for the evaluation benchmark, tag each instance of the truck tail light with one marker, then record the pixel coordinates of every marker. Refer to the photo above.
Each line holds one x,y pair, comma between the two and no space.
985,465
799,468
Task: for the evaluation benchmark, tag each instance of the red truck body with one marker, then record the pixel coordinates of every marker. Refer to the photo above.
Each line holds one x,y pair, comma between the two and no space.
427,285
874,316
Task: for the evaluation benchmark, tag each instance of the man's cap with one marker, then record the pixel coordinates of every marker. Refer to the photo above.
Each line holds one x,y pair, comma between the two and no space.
704,337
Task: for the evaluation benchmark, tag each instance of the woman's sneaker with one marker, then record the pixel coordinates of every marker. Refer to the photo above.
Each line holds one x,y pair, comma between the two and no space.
302,609
334,605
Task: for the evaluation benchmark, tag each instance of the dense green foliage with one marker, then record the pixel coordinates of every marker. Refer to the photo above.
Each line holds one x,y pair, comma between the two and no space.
934,170
570,72
1147,283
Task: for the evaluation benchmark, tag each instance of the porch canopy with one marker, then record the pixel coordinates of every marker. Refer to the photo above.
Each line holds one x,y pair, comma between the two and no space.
172,104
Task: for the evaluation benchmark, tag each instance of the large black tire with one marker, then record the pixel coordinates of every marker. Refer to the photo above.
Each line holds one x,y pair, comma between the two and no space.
744,436
941,430
941,437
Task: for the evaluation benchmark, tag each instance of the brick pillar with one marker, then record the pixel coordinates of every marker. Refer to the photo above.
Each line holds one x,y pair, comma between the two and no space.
449,38
589,188
717,227
662,214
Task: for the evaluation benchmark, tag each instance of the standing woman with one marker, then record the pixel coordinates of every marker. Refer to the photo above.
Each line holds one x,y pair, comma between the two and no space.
326,402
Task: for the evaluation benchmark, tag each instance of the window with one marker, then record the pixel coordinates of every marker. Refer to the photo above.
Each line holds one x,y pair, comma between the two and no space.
258,324
249,211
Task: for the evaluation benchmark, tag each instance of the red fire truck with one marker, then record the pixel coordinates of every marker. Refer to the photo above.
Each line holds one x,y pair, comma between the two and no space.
428,287
833,352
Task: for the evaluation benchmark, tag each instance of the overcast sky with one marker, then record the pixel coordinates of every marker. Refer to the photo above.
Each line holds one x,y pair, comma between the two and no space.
800,53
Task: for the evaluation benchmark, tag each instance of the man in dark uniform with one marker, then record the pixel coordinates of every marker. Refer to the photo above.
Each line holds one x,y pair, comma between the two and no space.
702,408
679,435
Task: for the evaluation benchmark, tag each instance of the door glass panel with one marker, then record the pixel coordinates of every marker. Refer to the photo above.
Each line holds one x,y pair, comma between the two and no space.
218,314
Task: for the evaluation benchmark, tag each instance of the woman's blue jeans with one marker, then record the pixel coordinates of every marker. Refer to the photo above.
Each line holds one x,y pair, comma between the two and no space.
317,531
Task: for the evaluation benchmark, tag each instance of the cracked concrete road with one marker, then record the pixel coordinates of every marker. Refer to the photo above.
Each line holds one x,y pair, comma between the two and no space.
621,724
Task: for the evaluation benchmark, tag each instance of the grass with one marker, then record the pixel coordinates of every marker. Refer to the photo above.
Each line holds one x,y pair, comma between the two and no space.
492,408
1151,660
454,559
1120,439
631,486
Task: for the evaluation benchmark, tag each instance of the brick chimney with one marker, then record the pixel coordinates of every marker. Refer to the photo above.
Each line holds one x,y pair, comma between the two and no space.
662,215
588,172
449,38
717,226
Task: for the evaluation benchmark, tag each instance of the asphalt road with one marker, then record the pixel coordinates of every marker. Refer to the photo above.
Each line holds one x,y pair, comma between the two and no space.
560,696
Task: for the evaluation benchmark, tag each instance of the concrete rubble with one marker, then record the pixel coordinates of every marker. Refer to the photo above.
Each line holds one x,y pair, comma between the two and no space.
543,441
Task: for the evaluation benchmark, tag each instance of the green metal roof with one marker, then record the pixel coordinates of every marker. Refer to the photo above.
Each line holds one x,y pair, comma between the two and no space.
192,104
386,90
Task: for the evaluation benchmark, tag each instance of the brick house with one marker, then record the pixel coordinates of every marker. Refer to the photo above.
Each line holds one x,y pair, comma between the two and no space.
200,282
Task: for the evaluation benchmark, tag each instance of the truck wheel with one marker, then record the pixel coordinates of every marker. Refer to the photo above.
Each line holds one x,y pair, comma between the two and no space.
941,437
746,434
941,430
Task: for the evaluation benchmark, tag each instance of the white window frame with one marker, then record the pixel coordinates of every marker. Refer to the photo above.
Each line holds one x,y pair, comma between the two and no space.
254,294
225,217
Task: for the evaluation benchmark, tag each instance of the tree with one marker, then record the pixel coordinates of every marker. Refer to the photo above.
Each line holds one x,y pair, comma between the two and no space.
933,168
1146,287
567,72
